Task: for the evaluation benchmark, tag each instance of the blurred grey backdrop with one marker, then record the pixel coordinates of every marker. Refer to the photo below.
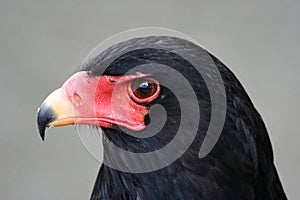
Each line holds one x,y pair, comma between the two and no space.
43,42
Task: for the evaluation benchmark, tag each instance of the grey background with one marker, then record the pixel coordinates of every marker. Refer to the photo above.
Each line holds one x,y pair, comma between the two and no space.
43,42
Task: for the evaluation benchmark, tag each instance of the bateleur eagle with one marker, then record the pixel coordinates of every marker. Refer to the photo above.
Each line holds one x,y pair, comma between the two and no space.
111,91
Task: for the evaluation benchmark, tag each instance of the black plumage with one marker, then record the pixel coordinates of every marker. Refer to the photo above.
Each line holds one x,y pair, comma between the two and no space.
241,164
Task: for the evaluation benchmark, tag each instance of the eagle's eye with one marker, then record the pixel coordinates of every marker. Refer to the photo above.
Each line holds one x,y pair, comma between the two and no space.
143,89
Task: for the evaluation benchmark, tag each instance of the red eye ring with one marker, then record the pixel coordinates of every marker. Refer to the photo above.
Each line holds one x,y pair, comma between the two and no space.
144,90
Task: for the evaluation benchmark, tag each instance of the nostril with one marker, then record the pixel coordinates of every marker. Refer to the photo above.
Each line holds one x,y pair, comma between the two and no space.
77,101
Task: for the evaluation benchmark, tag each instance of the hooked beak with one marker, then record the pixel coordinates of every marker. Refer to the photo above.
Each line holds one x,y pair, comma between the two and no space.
56,110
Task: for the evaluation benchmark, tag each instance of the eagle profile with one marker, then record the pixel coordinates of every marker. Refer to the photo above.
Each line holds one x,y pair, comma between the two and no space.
122,91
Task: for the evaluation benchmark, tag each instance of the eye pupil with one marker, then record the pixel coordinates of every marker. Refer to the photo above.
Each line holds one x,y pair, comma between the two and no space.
145,87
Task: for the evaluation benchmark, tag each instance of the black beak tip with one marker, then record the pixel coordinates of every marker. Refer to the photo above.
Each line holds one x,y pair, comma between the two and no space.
45,115
42,129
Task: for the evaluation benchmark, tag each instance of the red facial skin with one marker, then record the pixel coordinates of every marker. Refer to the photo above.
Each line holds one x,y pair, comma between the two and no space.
107,100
